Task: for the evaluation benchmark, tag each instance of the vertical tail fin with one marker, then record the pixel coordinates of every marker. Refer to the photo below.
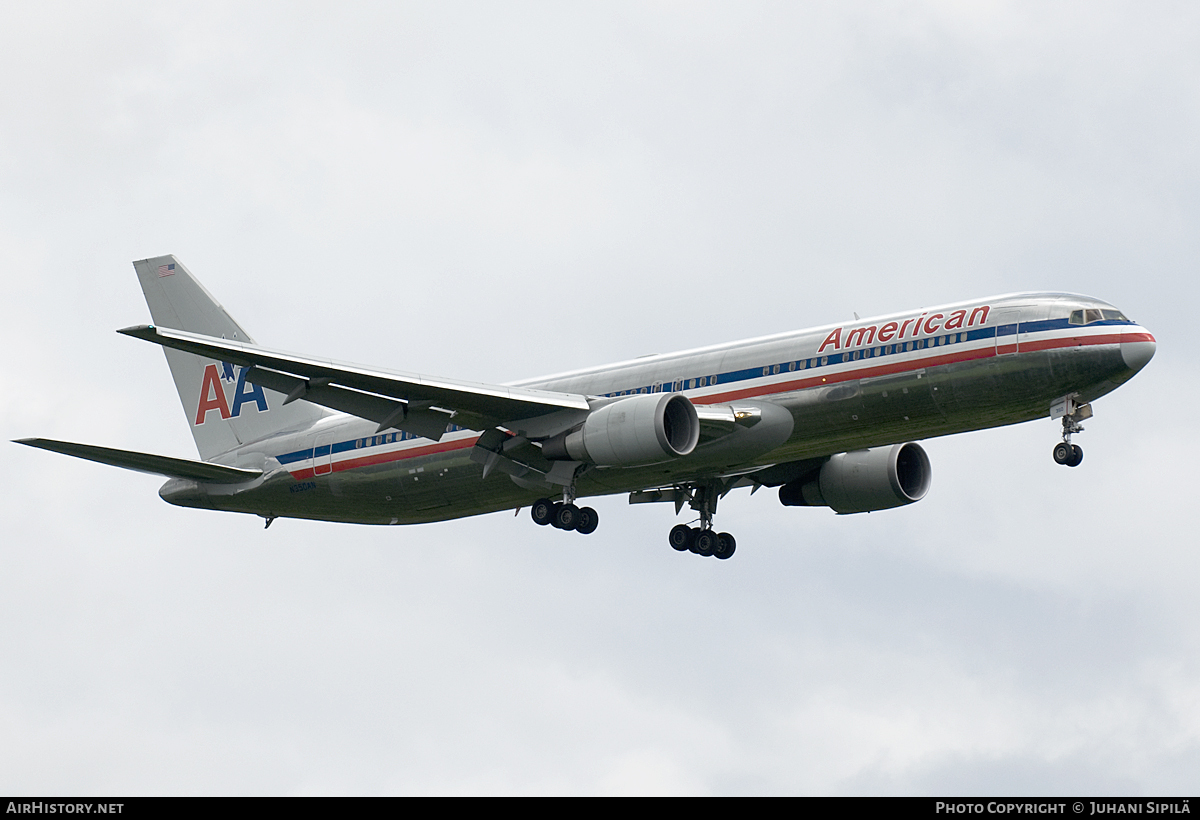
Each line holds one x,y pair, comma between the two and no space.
223,410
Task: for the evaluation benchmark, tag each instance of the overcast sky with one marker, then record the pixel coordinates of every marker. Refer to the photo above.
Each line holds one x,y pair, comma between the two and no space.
494,191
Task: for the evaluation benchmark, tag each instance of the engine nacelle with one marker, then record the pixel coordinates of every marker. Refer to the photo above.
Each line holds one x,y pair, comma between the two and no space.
644,429
864,480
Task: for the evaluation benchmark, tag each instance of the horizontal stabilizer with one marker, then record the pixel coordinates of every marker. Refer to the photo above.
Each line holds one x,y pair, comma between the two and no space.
146,463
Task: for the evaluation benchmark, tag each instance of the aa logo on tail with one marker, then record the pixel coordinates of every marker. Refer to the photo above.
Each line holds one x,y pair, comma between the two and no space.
212,393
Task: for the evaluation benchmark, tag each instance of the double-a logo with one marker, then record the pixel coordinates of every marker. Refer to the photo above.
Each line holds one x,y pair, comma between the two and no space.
212,392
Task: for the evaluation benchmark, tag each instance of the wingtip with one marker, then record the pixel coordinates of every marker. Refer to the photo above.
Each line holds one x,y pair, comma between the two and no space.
139,331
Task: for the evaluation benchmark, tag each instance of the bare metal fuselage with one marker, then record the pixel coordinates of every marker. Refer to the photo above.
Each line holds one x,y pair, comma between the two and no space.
818,392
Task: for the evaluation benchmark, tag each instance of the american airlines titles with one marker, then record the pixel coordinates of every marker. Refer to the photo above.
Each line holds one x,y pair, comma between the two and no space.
923,325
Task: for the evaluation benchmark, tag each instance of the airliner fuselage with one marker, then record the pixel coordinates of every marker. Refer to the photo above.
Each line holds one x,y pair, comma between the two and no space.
845,387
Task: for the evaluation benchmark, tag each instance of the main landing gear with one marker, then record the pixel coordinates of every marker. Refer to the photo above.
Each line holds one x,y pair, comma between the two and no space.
701,497
703,540
565,516
1072,414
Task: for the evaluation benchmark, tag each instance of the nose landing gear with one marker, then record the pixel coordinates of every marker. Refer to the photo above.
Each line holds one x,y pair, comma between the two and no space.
1069,454
1072,413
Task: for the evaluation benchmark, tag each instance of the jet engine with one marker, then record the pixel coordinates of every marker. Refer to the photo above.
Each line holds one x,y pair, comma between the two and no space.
642,429
864,480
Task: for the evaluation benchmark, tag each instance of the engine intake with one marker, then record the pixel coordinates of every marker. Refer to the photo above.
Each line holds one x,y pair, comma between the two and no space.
643,429
864,480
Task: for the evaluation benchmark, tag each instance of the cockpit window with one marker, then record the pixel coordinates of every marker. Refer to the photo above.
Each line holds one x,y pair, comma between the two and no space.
1086,317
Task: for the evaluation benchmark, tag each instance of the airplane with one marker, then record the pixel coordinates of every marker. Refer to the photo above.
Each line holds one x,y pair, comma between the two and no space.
828,416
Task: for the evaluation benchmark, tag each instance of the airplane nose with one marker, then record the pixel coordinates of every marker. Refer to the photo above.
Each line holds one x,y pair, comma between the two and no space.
1137,351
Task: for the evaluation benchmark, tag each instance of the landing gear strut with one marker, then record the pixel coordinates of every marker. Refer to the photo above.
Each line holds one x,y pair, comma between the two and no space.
1072,413
703,540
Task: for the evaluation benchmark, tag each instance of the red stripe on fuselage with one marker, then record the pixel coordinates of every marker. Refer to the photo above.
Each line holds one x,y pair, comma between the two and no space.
394,455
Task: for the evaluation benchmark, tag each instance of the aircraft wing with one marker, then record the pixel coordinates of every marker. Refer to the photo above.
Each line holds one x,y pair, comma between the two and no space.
407,401
147,463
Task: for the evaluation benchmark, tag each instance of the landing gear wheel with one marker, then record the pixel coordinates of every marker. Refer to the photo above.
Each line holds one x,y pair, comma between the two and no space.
1076,456
681,537
726,544
1063,453
542,511
588,521
566,516
706,543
